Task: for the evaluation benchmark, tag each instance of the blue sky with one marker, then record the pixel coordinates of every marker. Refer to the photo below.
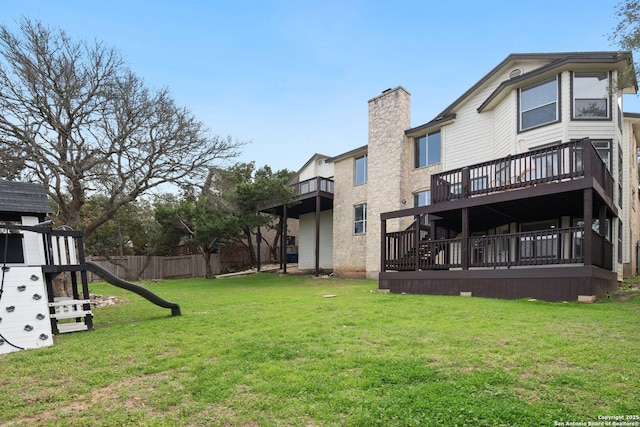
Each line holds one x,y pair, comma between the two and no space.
294,77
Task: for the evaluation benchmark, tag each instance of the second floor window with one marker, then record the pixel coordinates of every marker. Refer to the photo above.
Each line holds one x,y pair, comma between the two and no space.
539,104
360,170
427,150
590,95
603,147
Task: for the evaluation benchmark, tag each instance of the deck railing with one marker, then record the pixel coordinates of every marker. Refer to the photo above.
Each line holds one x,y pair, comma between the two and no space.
554,246
312,185
570,160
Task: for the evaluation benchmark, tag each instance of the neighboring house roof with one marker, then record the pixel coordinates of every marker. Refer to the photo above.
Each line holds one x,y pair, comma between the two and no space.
556,61
23,197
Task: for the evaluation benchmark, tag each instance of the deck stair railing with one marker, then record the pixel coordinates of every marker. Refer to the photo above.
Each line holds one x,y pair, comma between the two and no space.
407,247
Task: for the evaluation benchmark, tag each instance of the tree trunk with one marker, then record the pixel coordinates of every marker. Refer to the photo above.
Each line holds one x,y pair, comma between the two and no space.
206,254
252,256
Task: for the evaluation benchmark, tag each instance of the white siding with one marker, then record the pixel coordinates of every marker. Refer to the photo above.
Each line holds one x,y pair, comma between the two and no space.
325,169
308,172
504,128
317,167
307,241
469,139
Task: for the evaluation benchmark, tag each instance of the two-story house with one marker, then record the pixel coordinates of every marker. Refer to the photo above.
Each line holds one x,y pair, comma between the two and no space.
525,186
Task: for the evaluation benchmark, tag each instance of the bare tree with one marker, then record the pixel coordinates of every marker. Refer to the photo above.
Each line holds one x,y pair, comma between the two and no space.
78,120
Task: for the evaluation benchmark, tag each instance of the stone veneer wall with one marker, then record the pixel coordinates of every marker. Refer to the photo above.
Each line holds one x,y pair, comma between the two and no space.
389,117
348,248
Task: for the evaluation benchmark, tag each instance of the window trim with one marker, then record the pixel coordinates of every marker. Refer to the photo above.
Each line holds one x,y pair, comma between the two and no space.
366,169
558,118
608,163
609,116
416,150
362,220
416,197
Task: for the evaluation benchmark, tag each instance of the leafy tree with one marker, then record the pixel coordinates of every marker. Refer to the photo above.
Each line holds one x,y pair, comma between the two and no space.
627,35
74,117
204,221
227,210
248,189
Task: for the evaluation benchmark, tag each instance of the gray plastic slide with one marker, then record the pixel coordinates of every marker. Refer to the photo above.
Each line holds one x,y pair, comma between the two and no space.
108,277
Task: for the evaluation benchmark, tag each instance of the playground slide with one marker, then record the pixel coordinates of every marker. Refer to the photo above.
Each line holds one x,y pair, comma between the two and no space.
108,277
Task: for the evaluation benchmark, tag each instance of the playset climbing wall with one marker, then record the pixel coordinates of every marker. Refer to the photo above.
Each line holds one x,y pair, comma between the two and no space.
24,310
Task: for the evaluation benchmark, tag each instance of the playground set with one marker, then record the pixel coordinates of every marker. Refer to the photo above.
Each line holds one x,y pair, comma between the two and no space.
32,255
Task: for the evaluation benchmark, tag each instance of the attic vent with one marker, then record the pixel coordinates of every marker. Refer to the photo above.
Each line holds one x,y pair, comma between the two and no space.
515,73
320,162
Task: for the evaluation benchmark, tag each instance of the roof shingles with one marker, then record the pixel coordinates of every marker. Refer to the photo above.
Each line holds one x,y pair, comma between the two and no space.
23,197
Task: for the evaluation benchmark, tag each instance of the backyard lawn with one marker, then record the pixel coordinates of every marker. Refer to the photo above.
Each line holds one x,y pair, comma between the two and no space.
266,350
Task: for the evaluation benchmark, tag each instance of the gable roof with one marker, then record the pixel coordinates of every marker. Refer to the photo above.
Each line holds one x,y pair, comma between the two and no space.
295,177
555,61
23,197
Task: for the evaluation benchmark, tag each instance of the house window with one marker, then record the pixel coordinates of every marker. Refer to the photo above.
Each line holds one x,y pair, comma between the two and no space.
619,241
360,219
422,198
544,166
540,240
620,176
361,170
503,173
603,147
591,95
577,239
479,184
427,150
539,104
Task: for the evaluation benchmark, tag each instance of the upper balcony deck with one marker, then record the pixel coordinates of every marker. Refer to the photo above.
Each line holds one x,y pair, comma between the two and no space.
312,195
558,163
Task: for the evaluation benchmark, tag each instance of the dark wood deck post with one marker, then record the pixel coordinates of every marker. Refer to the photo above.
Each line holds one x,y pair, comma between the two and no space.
602,231
383,246
587,215
465,239
465,182
283,243
318,230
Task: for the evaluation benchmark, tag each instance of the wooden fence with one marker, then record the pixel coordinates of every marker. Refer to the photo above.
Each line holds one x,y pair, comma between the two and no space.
158,267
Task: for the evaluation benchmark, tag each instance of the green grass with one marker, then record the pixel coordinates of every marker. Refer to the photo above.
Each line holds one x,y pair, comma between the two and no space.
274,351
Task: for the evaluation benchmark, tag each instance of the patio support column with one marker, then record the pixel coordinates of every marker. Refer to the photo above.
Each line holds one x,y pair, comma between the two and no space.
383,247
587,216
465,239
283,243
318,234
602,231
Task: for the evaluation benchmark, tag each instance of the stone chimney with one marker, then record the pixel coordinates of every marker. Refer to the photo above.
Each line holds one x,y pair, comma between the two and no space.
389,117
